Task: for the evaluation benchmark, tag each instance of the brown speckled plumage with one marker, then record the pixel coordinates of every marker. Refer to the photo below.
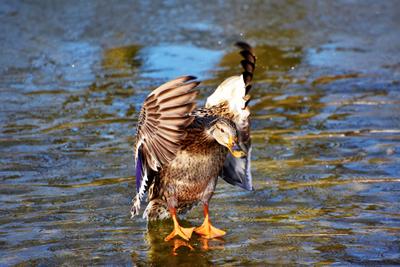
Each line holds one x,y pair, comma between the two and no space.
181,151
192,176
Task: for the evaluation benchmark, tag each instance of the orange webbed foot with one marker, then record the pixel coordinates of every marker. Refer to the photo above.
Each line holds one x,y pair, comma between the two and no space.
208,231
185,233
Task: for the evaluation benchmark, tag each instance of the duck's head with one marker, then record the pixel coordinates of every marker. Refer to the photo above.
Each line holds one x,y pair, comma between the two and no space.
225,133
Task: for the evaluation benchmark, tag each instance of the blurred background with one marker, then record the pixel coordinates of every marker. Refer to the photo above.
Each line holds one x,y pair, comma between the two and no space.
325,118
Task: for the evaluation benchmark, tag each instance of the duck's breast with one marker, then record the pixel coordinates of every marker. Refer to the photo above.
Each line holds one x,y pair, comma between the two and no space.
192,171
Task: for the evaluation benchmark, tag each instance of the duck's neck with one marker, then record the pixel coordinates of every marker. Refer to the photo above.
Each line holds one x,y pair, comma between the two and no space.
199,139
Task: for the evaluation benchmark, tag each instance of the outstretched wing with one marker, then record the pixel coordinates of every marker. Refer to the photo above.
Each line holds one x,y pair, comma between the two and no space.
234,91
161,128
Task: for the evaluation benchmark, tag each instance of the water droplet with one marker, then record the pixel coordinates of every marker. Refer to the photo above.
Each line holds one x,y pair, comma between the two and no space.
390,151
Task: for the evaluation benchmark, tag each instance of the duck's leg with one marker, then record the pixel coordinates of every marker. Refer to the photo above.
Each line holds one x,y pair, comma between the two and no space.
206,229
185,233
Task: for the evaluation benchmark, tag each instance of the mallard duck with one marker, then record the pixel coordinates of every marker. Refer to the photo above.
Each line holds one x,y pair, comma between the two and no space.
181,150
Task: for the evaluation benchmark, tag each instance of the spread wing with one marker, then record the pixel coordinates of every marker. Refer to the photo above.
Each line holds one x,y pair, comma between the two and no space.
161,128
234,91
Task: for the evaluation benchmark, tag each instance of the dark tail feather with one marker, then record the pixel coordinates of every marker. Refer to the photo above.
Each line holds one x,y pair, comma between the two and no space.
248,63
244,46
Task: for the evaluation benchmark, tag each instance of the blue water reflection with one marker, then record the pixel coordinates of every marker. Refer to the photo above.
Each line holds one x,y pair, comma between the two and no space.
171,60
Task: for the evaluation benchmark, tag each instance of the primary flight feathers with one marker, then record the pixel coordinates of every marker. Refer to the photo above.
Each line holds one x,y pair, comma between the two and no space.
163,119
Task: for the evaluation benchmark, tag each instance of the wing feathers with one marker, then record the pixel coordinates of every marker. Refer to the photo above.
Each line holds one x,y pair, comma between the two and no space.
164,116
187,97
178,109
173,83
236,171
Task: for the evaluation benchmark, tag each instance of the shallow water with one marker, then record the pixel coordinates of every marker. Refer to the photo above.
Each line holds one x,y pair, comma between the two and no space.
325,118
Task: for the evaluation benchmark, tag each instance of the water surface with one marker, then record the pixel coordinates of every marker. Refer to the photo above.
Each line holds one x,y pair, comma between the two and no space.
325,118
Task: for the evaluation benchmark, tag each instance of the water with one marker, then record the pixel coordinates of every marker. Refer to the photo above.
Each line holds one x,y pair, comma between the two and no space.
325,116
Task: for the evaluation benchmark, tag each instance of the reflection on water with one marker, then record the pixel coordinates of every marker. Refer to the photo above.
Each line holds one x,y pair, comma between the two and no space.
177,60
325,118
161,252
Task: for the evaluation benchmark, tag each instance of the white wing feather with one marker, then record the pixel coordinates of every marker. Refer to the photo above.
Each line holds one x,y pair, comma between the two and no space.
233,91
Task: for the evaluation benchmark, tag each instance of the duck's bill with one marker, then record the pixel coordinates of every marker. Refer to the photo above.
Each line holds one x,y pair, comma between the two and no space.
236,151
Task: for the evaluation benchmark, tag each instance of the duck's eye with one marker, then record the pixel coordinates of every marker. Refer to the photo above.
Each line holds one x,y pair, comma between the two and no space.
222,130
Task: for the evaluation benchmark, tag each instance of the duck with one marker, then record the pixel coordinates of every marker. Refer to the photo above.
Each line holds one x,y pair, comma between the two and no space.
181,150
